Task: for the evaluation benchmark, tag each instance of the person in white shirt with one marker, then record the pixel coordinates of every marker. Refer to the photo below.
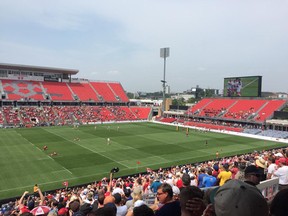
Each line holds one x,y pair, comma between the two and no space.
271,168
282,173
118,189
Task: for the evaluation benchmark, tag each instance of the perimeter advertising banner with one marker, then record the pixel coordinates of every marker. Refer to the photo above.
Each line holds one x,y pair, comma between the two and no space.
250,86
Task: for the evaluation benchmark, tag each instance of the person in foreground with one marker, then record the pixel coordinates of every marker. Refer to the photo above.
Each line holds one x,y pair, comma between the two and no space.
167,207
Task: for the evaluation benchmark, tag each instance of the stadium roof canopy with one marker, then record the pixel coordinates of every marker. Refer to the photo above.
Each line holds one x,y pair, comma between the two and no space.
38,69
278,122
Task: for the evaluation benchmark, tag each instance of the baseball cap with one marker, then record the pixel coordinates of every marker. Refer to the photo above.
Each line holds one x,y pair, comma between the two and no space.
238,198
62,211
252,170
282,160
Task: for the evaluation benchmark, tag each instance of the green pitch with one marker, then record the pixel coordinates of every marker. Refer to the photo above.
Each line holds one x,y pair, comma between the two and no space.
133,147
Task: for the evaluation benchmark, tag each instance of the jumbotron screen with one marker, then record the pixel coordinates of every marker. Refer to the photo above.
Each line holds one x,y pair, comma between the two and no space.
249,86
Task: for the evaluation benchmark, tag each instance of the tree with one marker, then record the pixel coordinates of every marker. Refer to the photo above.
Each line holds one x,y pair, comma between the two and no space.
130,95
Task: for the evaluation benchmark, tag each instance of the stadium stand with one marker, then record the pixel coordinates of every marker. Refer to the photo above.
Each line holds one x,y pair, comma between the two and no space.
105,91
58,91
67,115
119,91
141,112
168,120
18,90
242,109
215,107
194,110
83,92
267,111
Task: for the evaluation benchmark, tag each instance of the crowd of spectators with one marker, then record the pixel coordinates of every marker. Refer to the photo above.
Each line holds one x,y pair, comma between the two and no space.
241,114
67,115
225,186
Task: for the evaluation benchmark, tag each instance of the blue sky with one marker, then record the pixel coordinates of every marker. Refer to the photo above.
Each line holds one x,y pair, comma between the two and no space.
120,40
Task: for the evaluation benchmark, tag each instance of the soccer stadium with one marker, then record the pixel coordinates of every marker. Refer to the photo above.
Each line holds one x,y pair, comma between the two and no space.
74,138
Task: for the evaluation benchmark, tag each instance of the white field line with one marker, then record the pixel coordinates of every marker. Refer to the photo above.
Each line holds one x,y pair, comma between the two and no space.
89,149
67,170
47,156
45,183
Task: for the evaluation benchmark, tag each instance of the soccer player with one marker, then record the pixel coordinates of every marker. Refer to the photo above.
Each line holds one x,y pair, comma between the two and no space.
45,148
108,141
239,87
217,154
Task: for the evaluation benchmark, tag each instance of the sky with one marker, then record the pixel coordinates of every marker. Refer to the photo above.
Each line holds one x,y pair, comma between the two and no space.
120,40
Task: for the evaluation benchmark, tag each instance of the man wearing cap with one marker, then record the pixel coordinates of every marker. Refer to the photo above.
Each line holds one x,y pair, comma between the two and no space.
261,164
282,173
237,198
252,175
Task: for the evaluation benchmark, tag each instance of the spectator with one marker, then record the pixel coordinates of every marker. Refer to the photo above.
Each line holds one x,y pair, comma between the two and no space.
279,205
186,180
137,195
201,177
241,174
168,207
224,175
252,175
262,166
282,173
209,180
118,189
178,180
271,167
143,210
237,198
234,170
121,209
155,185
191,201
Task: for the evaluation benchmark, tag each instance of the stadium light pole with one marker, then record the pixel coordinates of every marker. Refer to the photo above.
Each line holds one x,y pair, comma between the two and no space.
164,53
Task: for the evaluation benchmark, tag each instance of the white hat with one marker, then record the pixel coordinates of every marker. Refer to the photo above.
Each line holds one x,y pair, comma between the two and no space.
176,190
170,182
278,154
238,198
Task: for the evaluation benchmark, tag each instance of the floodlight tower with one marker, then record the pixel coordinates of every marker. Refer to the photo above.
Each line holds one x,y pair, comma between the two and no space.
164,53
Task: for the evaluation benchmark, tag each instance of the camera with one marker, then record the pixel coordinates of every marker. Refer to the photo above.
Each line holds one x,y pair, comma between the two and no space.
115,170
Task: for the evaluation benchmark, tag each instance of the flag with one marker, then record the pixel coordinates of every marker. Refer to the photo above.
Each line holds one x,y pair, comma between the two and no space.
65,183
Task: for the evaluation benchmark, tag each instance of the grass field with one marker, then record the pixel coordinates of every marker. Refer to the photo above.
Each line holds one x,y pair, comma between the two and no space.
133,148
